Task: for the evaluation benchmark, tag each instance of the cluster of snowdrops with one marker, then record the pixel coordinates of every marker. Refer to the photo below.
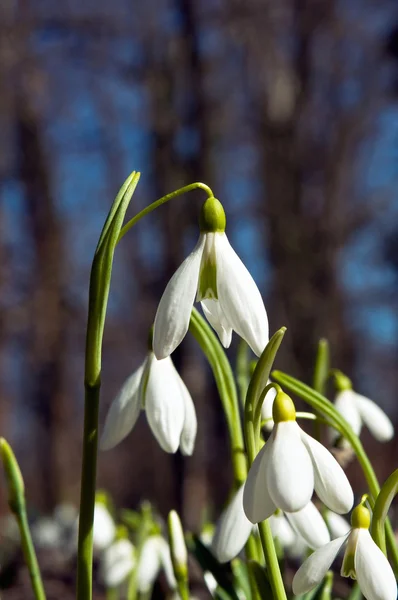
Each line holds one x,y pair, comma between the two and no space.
277,466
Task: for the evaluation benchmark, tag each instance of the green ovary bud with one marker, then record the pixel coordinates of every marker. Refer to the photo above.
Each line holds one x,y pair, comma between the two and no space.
212,216
283,408
360,518
342,381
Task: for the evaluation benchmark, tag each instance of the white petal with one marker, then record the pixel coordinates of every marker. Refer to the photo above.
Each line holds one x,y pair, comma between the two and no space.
266,409
257,502
104,529
281,530
308,523
149,564
232,530
175,306
165,559
313,570
123,412
331,483
345,404
290,474
188,433
214,314
374,574
338,526
375,419
164,403
117,562
239,297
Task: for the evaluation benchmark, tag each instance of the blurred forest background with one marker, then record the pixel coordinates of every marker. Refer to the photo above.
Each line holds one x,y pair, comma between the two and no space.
288,109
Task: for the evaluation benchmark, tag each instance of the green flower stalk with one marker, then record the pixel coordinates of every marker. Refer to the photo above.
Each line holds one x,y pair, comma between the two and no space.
17,504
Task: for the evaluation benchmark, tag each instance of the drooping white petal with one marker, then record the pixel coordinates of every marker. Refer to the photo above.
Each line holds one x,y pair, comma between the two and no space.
331,483
266,409
281,529
338,526
374,418
257,502
214,314
175,306
345,404
308,523
190,426
374,574
232,530
117,562
290,474
313,570
239,297
165,560
104,529
164,403
149,564
123,412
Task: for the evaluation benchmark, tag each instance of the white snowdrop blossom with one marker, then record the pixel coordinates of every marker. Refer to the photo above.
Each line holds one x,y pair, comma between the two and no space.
157,388
155,556
289,467
233,528
104,528
359,410
117,562
214,275
178,548
363,561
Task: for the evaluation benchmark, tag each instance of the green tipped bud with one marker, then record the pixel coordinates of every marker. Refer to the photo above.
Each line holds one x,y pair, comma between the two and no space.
15,484
360,517
342,381
178,549
283,408
212,216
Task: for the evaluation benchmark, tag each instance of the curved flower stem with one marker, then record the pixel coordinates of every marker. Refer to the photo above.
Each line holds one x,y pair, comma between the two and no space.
163,200
242,370
325,407
17,504
100,279
321,372
380,510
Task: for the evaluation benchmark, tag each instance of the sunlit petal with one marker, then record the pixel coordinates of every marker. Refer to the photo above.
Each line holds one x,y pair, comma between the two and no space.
314,569
257,502
239,297
164,403
266,409
123,412
331,483
308,523
188,433
175,306
281,530
290,475
373,571
374,418
232,530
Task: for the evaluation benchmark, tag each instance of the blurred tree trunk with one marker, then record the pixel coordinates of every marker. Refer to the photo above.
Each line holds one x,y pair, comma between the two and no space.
47,340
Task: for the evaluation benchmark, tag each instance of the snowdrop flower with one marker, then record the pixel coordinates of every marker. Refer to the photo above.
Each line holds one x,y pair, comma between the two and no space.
233,528
363,560
178,549
117,562
155,555
157,388
359,410
289,467
215,275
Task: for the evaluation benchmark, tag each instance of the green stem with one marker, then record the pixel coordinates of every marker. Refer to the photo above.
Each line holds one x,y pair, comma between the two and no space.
381,508
325,407
242,370
87,493
321,373
163,200
271,559
30,556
